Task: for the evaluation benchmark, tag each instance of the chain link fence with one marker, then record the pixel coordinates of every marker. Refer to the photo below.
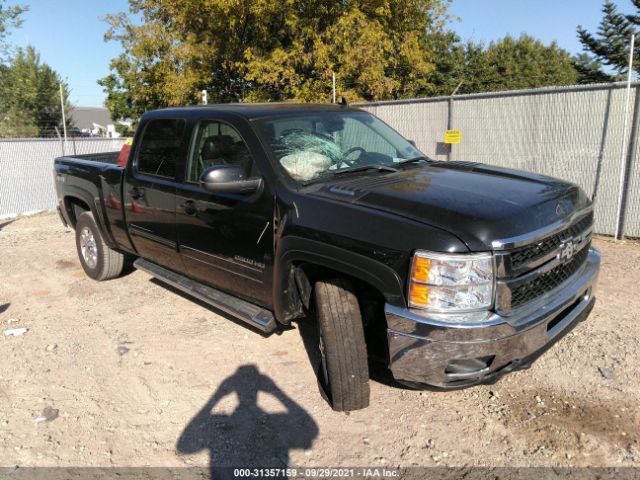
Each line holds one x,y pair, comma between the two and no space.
573,133
26,170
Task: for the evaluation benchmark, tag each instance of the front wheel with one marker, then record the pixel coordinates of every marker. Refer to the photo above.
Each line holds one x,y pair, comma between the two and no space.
344,371
97,259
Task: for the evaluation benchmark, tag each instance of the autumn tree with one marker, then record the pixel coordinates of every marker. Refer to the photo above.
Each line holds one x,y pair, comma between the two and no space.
259,50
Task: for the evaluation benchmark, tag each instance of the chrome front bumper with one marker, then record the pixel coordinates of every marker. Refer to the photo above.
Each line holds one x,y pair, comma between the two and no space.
424,349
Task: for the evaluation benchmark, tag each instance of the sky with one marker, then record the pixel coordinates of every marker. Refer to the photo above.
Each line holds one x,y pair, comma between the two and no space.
69,33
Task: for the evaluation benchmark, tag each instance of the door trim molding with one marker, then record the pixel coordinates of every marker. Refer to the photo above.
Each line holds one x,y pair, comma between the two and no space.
213,265
144,233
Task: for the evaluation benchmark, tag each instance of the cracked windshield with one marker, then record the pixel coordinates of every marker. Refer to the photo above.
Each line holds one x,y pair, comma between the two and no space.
317,145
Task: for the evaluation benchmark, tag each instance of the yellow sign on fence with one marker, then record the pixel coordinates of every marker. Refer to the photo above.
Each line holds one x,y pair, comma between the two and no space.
453,136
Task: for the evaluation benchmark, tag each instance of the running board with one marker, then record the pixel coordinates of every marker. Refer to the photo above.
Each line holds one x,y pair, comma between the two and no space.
242,310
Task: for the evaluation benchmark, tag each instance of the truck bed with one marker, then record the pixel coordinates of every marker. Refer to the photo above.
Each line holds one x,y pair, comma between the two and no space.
105,157
96,180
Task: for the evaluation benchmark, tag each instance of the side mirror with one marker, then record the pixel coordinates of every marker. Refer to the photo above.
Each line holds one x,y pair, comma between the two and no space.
228,179
413,142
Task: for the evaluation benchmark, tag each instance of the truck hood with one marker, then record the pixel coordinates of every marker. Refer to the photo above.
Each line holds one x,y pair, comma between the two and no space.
476,202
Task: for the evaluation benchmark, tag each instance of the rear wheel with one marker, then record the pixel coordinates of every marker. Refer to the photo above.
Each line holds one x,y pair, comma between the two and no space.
97,259
343,371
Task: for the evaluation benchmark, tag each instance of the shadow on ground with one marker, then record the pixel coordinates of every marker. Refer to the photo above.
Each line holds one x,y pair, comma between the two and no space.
248,437
5,223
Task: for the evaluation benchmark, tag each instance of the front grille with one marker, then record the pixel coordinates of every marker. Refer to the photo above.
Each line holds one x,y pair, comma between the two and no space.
531,289
529,253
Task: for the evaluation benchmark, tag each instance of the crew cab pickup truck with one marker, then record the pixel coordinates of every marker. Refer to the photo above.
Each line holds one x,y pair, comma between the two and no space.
454,273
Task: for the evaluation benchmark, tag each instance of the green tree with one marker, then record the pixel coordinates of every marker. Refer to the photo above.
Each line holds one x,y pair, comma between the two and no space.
9,18
590,70
260,50
30,97
450,63
527,63
507,64
610,44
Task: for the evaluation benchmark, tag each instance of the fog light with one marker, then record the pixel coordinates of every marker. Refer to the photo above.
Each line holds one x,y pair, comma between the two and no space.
469,365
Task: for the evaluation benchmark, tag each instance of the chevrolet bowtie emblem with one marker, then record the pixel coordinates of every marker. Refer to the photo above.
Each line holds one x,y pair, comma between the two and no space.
570,246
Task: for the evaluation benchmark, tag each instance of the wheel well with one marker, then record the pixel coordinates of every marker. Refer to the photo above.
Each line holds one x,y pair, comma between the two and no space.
75,207
370,299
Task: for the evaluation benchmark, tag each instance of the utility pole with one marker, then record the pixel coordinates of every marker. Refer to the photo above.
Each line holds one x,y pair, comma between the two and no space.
64,118
333,79
624,153
450,118
61,142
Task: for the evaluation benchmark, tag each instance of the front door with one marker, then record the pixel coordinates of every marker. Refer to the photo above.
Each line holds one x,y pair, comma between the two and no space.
150,191
225,239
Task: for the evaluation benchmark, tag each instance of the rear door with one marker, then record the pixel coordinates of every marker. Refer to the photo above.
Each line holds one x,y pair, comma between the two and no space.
150,190
225,239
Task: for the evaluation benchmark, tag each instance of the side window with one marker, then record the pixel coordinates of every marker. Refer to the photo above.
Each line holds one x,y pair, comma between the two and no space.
217,143
161,147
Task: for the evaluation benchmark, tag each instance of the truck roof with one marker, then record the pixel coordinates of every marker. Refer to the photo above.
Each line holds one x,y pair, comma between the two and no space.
253,110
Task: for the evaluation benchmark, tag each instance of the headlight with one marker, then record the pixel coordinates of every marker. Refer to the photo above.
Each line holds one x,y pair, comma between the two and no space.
451,282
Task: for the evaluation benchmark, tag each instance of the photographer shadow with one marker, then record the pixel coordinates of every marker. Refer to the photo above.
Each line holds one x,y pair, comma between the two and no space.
249,437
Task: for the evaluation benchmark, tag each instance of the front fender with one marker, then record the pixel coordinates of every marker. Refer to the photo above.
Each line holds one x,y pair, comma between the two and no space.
292,250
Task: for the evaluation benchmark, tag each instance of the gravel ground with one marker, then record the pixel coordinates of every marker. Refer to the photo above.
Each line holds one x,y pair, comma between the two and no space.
131,373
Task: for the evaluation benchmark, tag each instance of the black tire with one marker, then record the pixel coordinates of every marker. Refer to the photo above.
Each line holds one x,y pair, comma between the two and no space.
344,371
101,263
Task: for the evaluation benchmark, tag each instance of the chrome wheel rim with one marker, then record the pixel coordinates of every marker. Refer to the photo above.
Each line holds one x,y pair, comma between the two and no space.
88,248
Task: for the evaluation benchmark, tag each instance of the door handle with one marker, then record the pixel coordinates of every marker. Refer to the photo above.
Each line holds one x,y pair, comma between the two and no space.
189,207
136,193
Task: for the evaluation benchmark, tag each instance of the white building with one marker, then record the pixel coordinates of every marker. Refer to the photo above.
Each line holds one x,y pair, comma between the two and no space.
96,121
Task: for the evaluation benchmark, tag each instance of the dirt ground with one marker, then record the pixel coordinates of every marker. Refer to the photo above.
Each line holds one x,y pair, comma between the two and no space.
131,373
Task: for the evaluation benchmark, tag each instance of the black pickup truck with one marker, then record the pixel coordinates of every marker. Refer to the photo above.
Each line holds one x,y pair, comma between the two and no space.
453,272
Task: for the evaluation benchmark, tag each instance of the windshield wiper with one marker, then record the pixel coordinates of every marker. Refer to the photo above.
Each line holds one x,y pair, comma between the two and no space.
361,168
414,160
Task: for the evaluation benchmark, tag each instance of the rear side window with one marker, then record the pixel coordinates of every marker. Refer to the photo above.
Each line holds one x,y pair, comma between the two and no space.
161,147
